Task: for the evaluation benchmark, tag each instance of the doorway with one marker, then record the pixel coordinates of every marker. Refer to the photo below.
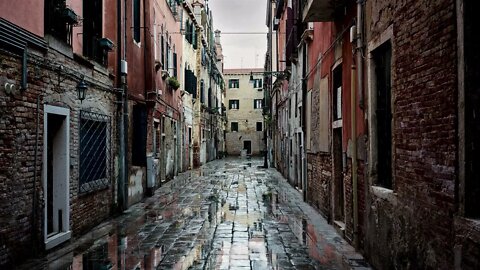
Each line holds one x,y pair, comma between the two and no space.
247,145
56,175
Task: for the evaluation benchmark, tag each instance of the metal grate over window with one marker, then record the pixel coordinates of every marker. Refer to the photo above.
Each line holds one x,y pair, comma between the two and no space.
95,153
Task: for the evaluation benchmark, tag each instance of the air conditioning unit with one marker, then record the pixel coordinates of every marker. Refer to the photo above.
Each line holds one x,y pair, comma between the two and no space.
152,164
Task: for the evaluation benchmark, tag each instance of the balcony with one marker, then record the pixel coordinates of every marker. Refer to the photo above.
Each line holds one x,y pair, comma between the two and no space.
320,10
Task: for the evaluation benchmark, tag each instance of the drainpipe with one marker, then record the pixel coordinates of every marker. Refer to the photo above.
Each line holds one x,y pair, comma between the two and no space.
145,52
354,156
120,123
354,92
360,28
125,114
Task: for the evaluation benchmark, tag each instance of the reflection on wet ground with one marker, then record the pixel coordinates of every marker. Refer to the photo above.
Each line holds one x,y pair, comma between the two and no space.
229,214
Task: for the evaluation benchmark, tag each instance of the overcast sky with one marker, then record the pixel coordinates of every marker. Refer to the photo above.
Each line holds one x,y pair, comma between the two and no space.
241,50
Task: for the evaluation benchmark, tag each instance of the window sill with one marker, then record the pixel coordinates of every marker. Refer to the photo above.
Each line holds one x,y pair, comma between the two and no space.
385,194
337,123
59,45
461,221
57,239
98,185
138,44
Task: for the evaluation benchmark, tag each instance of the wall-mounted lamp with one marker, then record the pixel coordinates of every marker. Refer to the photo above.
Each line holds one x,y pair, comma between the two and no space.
82,87
251,77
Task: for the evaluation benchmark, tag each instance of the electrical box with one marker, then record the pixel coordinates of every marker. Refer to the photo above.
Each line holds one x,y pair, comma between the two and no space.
353,33
124,67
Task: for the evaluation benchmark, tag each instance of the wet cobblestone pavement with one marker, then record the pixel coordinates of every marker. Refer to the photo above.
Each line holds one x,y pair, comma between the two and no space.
229,214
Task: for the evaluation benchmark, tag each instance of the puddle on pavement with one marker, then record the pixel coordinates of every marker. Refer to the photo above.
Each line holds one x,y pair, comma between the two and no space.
197,222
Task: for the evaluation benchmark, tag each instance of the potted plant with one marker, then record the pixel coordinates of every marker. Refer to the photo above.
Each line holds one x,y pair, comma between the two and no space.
173,83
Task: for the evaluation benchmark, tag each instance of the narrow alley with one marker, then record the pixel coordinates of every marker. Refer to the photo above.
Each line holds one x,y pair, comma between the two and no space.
228,214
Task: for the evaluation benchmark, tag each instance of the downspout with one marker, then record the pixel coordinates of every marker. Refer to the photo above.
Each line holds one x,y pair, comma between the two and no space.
125,112
354,92
354,156
120,123
146,56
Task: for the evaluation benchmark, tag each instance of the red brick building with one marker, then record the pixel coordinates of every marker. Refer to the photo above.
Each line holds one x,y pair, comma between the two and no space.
57,154
424,215
390,126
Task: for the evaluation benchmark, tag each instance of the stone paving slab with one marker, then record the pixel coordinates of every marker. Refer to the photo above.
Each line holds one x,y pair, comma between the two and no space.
226,215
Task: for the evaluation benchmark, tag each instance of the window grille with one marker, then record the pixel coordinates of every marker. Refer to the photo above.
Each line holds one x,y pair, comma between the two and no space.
95,147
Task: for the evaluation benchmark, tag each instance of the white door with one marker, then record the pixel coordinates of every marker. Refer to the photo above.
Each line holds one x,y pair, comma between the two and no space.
56,175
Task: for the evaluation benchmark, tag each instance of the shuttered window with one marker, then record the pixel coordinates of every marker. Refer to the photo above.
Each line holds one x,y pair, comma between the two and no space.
382,58
136,20
139,138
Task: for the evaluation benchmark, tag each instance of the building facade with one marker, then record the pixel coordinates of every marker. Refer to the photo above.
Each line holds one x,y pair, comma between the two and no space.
388,124
245,103
57,156
97,111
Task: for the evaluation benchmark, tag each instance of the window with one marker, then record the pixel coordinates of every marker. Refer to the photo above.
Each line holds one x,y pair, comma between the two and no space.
472,121
189,135
382,58
162,49
194,36
259,126
337,93
175,63
139,138
92,31
202,91
94,151
155,38
136,20
289,108
156,138
233,83
190,83
234,127
188,31
209,97
295,105
301,116
258,103
234,104
257,83
56,24
167,55
308,121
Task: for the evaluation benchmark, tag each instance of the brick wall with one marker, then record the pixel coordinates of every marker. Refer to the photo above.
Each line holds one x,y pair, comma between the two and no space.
412,228
349,226
319,177
18,118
